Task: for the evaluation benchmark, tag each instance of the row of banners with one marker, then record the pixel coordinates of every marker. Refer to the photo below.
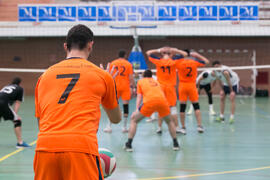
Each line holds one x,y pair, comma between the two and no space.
157,12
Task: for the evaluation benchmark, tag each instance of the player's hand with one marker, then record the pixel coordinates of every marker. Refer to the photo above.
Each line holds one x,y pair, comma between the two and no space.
114,74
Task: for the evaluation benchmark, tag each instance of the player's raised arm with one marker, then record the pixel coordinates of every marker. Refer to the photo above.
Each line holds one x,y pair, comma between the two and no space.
200,57
152,51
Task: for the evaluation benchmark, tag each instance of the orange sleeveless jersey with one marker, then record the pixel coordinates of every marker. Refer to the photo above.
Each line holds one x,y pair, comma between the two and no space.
150,90
68,97
187,69
166,70
125,69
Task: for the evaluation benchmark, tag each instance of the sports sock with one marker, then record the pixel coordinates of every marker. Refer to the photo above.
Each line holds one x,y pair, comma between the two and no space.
175,140
232,116
125,122
221,115
210,106
130,141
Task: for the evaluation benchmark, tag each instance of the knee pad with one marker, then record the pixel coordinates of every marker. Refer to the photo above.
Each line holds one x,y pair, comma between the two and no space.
196,106
173,110
183,108
17,123
125,107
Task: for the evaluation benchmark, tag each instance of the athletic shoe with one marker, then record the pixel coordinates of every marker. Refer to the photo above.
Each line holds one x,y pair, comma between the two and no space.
23,145
124,130
107,130
190,111
128,147
220,119
212,112
158,131
200,129
176,146
183,131
178,130
231,120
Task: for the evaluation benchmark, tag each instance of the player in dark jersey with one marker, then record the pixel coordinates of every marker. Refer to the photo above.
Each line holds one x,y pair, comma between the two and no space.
9,95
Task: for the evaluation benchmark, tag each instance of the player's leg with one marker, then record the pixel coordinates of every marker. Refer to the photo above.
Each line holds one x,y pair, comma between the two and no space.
183,106
208,91
194,98
232,98
126,112
136,117
222,103
126,97
183,99
159,129
164,112
9,114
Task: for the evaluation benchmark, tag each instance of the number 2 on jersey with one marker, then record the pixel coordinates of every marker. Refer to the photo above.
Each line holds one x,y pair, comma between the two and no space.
72,83
123,68
189,71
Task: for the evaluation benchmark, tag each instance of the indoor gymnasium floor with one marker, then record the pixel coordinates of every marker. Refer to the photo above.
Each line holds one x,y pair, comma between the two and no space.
238,151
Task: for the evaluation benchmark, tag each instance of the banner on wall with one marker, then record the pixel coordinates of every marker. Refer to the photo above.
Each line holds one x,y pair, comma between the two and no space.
147,13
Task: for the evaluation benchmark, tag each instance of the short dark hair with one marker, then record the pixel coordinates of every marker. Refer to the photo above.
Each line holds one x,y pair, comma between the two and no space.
16,80
147,73
78,37
121,53
205,75
216,62
187,51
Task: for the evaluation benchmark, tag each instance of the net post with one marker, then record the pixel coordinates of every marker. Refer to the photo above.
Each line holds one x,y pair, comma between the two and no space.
254,74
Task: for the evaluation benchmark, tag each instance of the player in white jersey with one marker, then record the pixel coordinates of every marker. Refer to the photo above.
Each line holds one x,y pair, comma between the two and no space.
229,81
206,80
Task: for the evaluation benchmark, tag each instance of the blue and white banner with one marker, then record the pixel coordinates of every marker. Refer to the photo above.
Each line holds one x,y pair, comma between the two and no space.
139,12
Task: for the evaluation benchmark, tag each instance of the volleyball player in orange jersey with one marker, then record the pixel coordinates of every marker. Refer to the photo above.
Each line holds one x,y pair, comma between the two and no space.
187,73
67,100
166,76
150,98
125,85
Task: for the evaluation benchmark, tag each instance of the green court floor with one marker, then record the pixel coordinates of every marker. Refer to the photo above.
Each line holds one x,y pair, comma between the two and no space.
224,151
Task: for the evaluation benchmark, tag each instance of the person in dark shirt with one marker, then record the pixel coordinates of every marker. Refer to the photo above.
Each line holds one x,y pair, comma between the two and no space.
12,94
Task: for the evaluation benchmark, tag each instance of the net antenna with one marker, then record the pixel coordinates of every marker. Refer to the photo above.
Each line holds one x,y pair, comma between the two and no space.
254,73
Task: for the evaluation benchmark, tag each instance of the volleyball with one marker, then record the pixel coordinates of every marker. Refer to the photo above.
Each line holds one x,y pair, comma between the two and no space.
108,161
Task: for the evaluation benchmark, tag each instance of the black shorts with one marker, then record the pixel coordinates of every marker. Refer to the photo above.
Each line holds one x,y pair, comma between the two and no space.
206,87
228,91
6,112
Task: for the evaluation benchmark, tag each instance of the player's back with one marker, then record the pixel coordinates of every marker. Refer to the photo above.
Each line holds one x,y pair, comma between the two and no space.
68,97
11,93
187,70
124,70
150,90
166,70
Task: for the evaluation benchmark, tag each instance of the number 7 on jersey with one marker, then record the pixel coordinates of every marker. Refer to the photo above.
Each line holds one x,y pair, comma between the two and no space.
72,83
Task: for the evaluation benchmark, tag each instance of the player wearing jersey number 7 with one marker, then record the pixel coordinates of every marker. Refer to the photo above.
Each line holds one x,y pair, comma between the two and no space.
67,99
164,59
187,73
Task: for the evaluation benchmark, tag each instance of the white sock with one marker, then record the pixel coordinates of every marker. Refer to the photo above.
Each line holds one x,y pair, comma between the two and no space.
232,116
211,107
191,107
125,122
221,115
109,125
